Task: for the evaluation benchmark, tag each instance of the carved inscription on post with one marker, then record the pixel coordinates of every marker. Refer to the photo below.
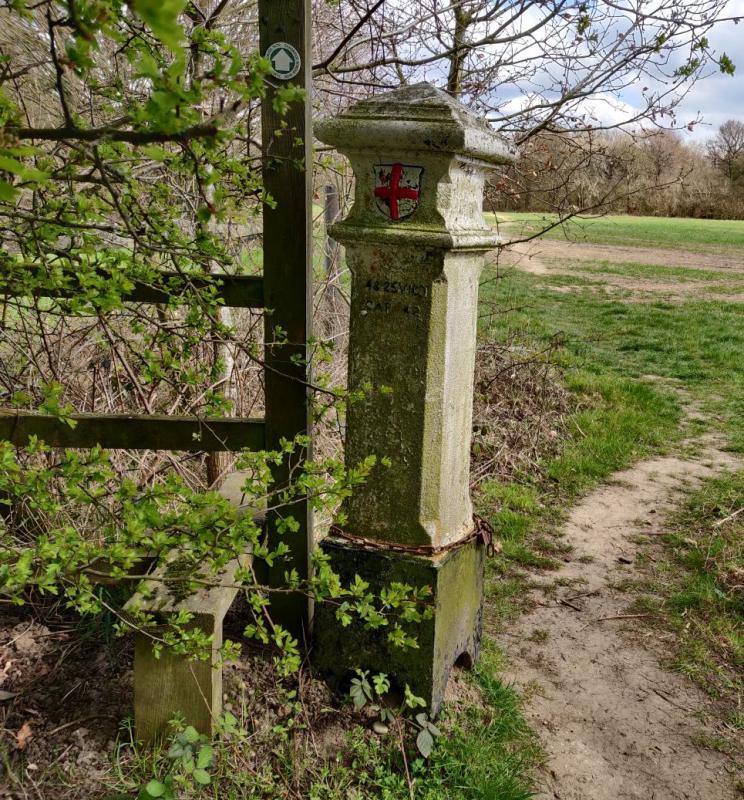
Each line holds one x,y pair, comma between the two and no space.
388,297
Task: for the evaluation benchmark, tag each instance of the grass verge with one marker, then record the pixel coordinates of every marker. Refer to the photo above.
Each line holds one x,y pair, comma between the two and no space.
698,588
631,369
617,419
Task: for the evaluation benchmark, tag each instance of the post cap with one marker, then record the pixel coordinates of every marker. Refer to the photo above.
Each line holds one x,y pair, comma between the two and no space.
418,118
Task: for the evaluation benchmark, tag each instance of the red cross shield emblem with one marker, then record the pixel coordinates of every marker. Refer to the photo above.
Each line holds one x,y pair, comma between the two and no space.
397,189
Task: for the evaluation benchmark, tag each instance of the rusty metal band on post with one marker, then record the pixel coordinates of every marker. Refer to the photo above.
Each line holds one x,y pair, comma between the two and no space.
482,532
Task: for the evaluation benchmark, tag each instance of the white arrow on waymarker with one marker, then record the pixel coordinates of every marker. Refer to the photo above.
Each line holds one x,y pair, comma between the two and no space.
282,61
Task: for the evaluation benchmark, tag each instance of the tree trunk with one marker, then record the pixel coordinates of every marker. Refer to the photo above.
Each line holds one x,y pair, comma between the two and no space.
457,59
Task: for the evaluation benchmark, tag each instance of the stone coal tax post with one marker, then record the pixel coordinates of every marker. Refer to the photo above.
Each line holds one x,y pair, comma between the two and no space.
415,242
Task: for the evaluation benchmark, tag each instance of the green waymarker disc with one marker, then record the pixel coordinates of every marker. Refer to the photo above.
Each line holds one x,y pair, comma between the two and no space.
284,59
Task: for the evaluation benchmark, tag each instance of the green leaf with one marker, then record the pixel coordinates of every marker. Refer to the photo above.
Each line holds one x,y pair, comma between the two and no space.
425,743
155,789
205,757
176,751
726,65
148,68
16,167
358,694
412,700
229,722
190,735
202,776
7,192
162,18
381,683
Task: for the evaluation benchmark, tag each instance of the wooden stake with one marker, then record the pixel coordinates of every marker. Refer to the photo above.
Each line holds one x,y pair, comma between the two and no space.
287,173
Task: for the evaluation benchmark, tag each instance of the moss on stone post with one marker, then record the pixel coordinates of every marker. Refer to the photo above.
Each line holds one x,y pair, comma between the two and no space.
415,242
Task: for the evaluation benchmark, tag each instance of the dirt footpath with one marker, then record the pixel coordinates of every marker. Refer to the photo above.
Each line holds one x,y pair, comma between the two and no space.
532,256
554,258
615,724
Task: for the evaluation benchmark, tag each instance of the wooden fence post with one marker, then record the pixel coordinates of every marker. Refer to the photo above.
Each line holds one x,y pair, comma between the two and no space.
287,242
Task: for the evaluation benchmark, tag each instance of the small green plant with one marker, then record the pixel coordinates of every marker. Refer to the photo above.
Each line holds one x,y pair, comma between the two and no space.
191,757
426,735
372,692
365,693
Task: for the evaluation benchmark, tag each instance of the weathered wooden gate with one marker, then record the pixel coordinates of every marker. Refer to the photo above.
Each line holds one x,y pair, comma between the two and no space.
284,291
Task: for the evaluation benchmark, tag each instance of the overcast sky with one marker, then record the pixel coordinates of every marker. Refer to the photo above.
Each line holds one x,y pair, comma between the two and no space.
719,97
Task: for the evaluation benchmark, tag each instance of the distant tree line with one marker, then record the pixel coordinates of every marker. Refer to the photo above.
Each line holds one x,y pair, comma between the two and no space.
651,172
536,70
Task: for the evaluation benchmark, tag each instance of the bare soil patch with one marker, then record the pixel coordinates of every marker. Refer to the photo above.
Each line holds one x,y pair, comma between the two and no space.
545,257
535,255
615,724
635,291
66,693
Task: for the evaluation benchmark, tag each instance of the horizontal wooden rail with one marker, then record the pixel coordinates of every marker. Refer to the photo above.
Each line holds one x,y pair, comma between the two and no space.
136,432
238,291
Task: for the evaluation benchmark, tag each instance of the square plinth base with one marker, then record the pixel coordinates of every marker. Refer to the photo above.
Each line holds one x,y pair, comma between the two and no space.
452,635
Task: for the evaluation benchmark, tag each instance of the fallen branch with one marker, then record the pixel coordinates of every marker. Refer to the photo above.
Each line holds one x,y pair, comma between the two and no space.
728,518
593,593
619,616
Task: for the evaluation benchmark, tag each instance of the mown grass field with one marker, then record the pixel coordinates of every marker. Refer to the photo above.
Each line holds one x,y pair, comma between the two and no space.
664,232
694,345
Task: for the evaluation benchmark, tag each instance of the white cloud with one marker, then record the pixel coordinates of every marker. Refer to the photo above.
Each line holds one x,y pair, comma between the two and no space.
600,110
604,109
